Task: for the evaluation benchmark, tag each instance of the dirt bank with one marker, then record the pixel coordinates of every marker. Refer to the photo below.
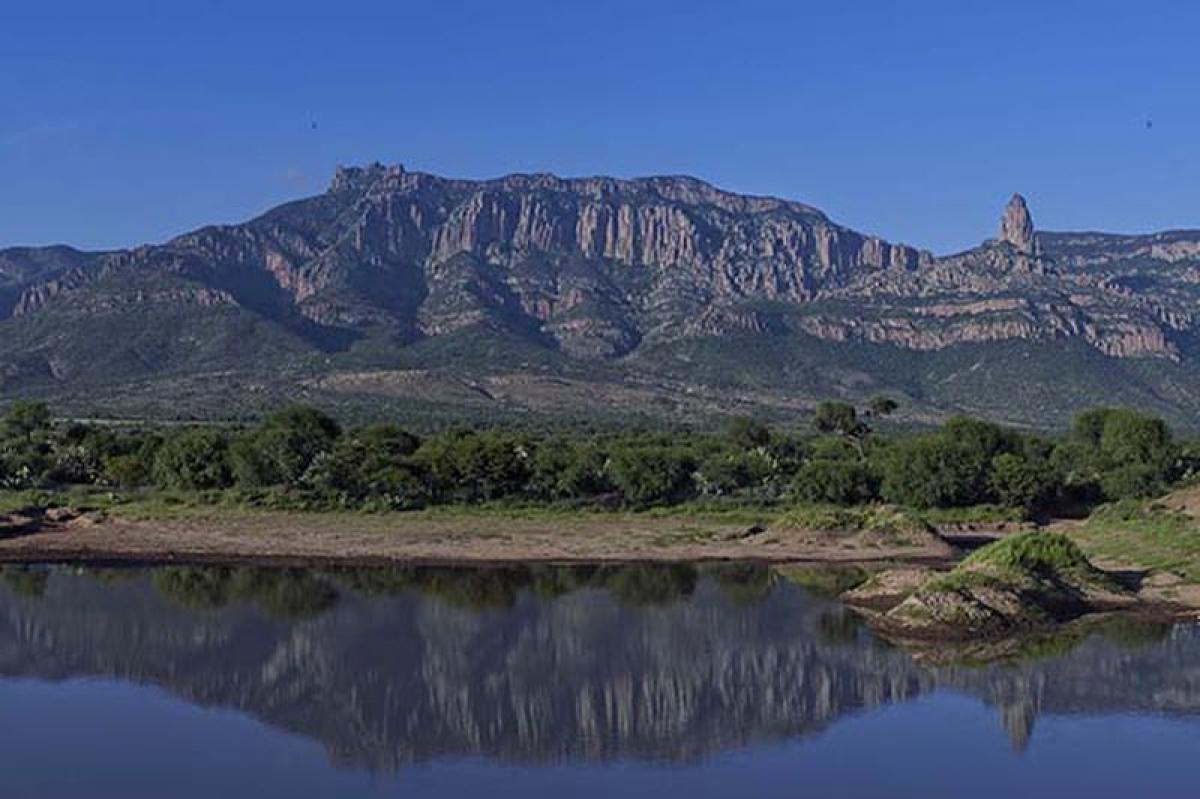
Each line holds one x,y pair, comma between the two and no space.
269,537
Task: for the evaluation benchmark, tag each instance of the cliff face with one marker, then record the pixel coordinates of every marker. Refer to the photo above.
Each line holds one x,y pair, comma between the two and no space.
593,268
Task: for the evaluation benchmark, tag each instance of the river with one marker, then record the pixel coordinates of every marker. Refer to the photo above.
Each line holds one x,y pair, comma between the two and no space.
636,681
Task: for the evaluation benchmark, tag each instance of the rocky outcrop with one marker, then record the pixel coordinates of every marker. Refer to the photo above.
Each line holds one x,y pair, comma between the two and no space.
598,265
594,268
1016,226
1027,581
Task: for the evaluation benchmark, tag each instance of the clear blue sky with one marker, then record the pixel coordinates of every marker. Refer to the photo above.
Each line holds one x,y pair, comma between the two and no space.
124,122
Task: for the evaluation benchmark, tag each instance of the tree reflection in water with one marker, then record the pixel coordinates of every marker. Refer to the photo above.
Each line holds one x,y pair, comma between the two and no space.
388,666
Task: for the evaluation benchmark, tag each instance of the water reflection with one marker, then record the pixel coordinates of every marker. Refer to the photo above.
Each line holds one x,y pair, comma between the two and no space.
391,666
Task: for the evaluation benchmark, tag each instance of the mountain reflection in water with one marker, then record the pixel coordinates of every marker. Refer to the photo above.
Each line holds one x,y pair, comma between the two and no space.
386,667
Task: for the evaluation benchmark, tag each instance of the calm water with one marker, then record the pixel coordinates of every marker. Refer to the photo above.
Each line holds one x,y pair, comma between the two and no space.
542,682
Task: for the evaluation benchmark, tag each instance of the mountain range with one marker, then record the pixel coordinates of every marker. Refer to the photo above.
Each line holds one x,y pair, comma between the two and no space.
531,296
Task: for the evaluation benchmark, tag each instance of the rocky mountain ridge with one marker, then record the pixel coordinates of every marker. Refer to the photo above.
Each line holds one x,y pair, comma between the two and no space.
592,270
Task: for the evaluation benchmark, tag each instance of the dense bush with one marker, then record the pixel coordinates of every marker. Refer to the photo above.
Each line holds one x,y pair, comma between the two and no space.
371,466
649,475
1119,452
26,447
1022,482
563,469
475,467
282,448
197,458
839,482
727,473
967,462
300,457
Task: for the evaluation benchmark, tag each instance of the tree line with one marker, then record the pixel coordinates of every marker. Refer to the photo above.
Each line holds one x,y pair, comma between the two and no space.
302,456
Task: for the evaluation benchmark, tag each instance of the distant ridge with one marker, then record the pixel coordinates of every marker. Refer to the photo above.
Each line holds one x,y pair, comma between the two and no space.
399,291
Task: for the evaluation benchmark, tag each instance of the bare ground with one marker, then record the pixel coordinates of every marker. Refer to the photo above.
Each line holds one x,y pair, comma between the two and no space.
300,538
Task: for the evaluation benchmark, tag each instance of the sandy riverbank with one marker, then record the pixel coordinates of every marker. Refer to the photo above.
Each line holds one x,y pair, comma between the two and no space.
300,538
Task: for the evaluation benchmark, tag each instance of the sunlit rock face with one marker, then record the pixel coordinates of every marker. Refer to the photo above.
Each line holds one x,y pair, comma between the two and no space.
679,669
1016,226
593,268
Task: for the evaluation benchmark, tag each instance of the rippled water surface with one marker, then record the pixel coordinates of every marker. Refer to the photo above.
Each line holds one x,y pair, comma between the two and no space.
636,681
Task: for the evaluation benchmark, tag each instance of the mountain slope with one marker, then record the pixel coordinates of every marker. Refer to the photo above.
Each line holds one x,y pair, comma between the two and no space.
660,296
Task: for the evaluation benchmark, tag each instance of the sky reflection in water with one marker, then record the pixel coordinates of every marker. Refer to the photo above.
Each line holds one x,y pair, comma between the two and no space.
585,682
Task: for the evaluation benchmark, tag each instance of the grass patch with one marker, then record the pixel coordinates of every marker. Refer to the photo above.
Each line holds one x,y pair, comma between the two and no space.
157,504
975,514
1143,535
1031,552
883,520
1017,557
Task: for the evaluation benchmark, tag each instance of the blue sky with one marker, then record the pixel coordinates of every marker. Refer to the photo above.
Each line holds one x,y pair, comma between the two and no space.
125,122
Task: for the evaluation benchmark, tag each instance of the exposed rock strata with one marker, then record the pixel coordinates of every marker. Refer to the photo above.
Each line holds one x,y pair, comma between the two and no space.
601,268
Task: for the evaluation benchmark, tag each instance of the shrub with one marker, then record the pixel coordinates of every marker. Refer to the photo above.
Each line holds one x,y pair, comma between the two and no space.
837,417
372,466
931,471
836,482
197,458
1017,482
470,467
1133,481
724,473
126,471
1120,452
563,469
748,433
652,474
280,451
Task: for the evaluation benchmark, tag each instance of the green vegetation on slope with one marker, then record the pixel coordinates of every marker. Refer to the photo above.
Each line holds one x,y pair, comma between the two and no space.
1143,535
1036,554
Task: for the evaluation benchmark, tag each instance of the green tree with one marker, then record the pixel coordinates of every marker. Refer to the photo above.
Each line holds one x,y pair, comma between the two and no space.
835,481
1018,482
745,432
725,473
26,452
25,419
648,475
280,450
842,419
837,417
881,405
1120,452
470,467
931,471
372,466
565,469
197,458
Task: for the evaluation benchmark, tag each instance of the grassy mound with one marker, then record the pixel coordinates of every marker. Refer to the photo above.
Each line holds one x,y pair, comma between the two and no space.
873,525
1025,581
1033,552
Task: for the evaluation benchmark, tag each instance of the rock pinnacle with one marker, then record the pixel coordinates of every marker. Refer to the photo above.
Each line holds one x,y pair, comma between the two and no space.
1016,226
